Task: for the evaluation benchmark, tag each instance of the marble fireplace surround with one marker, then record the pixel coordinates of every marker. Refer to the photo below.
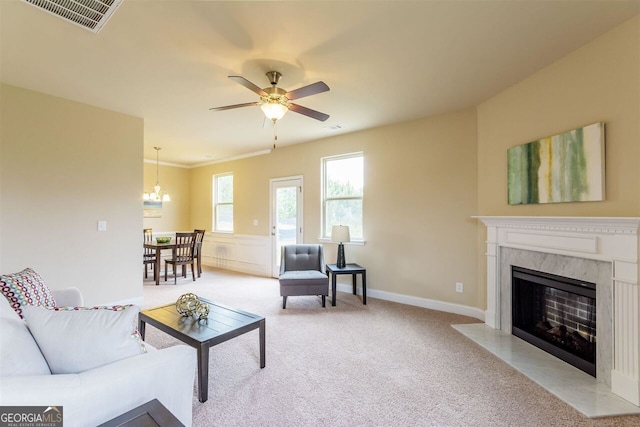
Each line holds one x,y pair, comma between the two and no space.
596,249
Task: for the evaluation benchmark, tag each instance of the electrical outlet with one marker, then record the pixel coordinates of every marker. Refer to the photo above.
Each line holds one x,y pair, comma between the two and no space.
459,287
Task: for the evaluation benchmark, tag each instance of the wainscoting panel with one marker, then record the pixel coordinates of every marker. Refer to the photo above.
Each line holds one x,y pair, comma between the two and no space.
238,252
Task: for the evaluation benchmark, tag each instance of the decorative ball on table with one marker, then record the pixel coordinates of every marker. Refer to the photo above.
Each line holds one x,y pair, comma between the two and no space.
202,310
187,303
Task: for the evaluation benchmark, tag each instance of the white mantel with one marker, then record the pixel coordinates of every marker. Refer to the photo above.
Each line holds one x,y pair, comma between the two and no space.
611,239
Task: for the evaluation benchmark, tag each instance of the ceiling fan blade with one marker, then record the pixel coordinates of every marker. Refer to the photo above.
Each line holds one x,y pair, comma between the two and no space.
311,89
230,107
246,83
308,112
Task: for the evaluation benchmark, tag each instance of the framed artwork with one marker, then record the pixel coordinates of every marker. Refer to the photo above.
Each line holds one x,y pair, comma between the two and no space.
152,208
568,167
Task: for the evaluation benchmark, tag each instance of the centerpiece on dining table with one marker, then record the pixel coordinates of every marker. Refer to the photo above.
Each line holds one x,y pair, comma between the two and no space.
163,239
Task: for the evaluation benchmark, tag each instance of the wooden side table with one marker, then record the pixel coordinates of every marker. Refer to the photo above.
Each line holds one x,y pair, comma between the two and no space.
353,269
152,413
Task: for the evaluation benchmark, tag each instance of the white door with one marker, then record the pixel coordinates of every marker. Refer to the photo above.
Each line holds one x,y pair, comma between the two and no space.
286,216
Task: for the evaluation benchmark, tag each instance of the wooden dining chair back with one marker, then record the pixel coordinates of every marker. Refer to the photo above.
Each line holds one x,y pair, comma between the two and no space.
198,249
149,255
182,255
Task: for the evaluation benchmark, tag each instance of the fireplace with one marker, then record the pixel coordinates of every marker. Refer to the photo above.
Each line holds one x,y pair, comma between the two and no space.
556,314
599,250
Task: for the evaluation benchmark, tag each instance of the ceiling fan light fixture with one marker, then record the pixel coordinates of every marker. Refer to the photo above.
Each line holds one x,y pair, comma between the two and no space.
275,102
274,110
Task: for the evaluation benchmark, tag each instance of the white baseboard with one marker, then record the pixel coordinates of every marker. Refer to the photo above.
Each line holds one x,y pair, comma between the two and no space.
447,307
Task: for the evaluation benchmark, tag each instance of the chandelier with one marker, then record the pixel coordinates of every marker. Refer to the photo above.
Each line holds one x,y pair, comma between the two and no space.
158,194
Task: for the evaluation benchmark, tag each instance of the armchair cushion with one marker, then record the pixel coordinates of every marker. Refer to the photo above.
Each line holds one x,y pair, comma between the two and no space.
302,257
26,288
76,339
304,277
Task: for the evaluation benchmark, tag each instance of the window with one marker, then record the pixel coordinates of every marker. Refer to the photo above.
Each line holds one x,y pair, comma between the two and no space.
343,183
223,203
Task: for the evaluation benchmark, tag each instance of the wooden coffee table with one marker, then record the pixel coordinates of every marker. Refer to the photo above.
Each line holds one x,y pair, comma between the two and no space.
222,324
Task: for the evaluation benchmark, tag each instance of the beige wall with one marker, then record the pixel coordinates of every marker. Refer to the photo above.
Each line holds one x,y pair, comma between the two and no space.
420,193
176,213
64,166
598,82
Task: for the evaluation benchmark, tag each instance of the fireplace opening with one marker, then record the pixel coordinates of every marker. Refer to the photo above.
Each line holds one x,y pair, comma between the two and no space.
556,314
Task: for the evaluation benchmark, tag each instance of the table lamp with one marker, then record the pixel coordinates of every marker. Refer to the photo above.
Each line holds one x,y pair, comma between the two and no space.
340,235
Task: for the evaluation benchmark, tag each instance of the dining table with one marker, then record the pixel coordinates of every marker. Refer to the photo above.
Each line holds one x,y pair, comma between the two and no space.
158,248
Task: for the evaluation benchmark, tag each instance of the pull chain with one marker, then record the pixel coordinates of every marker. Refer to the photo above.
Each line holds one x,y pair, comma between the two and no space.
275,133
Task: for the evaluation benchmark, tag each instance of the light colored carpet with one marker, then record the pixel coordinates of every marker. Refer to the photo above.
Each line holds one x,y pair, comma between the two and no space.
383,364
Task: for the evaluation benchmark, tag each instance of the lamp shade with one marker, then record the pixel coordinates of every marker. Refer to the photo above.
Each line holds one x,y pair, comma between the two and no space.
274,110
340,234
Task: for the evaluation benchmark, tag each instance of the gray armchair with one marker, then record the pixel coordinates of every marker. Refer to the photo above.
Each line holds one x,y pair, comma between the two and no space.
302,272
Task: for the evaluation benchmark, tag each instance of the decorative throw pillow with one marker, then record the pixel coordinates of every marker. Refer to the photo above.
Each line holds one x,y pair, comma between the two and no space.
6,311
19,353
76,339
26,288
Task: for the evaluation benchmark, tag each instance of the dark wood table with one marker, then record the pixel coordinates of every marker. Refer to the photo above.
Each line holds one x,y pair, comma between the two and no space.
150,414
158,247
222,324
353,269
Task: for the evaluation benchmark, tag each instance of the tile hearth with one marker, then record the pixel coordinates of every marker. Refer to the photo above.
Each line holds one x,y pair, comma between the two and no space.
576,388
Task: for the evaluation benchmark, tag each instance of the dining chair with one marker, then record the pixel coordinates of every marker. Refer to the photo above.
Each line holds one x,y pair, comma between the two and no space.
182,255
198,249
149,255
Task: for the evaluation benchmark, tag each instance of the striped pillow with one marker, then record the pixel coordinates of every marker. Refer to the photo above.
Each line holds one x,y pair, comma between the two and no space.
26,288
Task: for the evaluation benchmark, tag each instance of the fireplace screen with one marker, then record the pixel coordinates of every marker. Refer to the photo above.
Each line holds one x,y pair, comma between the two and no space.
556,314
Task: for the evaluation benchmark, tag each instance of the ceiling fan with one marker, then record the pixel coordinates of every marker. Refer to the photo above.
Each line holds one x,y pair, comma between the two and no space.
275,102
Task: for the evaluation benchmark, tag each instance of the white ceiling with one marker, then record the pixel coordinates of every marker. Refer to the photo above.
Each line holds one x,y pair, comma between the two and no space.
385,61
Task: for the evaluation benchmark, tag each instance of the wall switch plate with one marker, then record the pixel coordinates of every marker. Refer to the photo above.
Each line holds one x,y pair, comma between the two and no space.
459,287
102,225
255,222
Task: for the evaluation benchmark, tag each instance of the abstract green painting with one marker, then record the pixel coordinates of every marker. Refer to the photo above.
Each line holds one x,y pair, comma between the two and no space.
568,167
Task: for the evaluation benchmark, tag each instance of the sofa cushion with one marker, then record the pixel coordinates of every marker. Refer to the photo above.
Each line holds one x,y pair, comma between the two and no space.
19,353
76,339
26,288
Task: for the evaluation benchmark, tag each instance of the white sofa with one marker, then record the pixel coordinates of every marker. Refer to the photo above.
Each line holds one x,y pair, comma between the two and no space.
97,395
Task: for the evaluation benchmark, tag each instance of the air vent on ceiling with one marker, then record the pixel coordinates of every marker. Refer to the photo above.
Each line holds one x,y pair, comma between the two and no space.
89,14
